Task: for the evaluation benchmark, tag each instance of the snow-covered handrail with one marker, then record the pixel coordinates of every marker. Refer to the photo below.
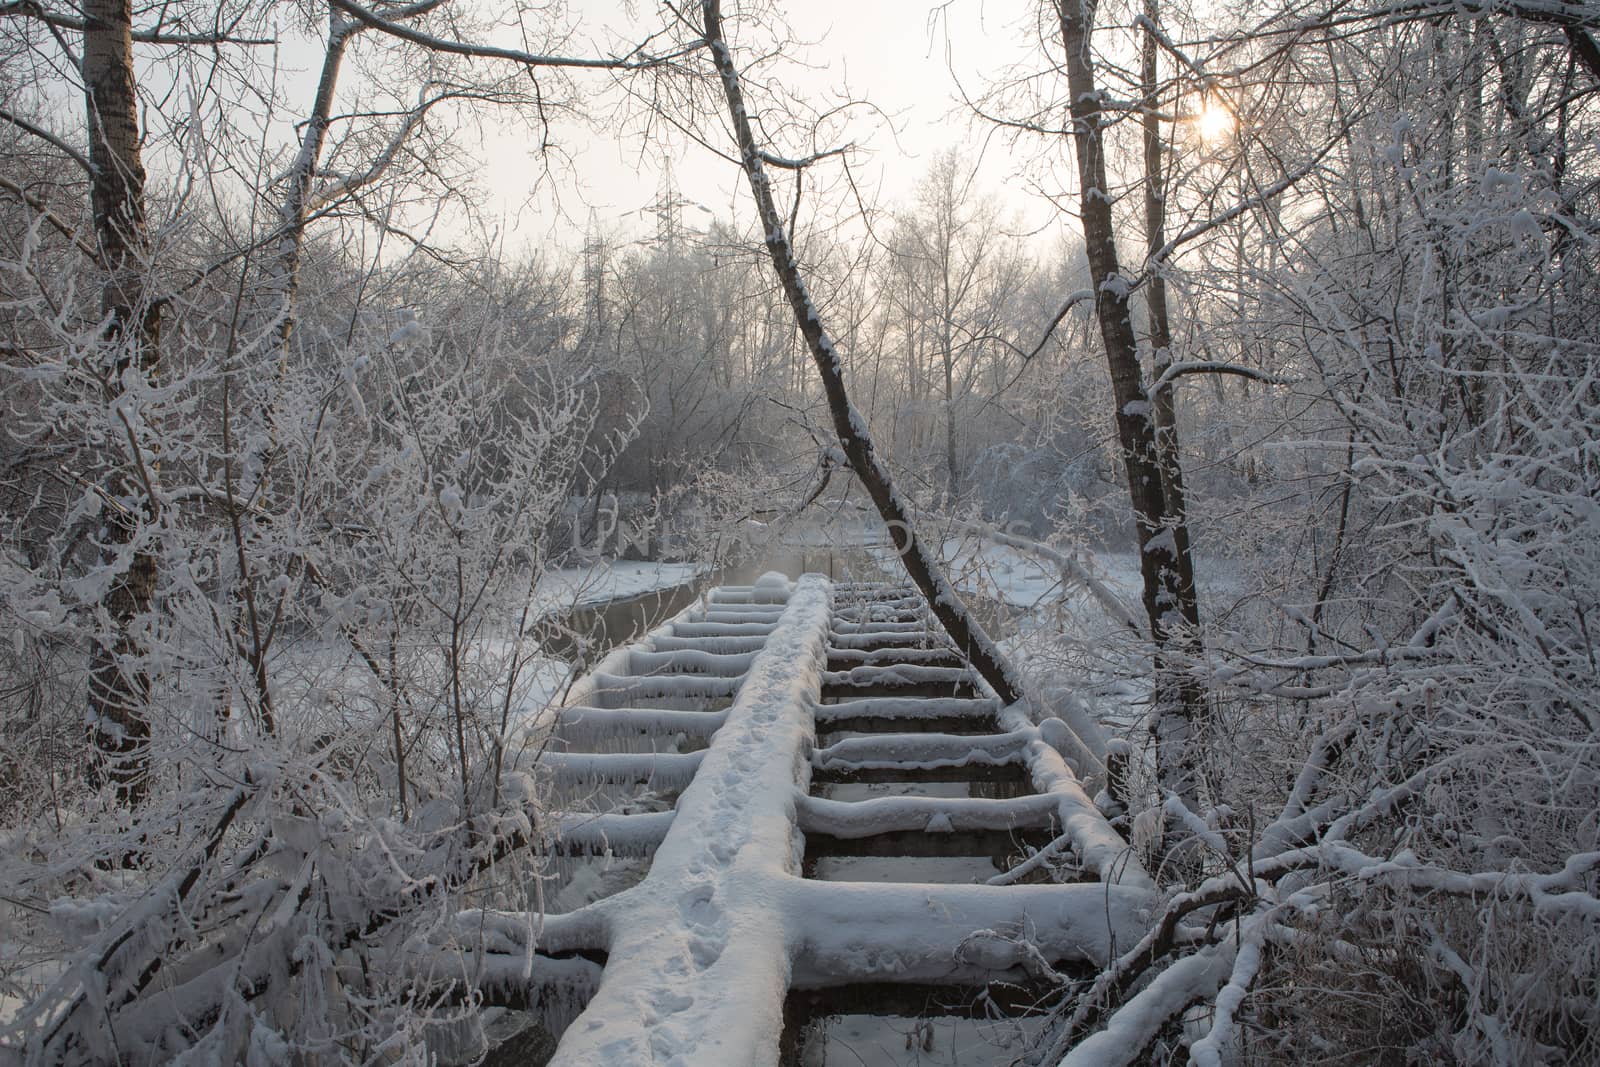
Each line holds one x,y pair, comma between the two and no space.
1100,847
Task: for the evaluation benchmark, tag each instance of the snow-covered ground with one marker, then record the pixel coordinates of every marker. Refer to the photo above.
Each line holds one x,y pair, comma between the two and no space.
607,580
1002,573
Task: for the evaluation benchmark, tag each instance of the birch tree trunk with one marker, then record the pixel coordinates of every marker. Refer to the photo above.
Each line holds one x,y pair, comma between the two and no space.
119,683
296,207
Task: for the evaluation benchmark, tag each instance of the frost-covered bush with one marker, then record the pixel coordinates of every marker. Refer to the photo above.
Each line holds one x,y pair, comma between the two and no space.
342,673
1444,634
1401,847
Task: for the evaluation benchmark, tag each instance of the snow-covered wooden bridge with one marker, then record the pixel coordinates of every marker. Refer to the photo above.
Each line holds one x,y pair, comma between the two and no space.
746,756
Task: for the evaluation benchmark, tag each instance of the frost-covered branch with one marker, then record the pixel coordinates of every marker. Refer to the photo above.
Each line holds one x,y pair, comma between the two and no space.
1175,371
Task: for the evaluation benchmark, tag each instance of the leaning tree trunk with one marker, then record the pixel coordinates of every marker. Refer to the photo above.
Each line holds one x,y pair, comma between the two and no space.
1168,600
921,563
119,682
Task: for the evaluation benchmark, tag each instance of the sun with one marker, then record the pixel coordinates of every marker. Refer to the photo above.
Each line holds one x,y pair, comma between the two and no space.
1214,122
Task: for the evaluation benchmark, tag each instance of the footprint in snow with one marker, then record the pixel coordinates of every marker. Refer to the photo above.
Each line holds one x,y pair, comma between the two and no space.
705,951
704,918
698,906
668,1002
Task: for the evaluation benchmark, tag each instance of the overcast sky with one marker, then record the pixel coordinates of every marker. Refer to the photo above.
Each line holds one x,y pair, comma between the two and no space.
897,54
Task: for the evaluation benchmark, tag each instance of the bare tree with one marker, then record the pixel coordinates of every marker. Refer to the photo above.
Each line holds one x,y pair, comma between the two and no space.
953,270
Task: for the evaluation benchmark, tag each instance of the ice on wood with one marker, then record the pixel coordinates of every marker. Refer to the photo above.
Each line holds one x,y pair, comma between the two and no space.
922,751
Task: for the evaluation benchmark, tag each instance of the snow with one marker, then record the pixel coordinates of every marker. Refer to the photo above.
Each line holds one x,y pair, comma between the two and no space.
773,583
1102,849
1132,1027
859,931
698,969
1163,543
588,727
703,951
582,771
862,814
1117,286
633,691
613,834
907,709
615,579
923,750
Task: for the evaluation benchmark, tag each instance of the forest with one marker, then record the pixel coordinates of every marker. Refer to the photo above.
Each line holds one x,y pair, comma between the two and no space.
1223,394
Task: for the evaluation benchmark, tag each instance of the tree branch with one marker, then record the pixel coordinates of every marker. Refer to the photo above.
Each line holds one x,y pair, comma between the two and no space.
45,135
35,10
9,186
1178,370
512,55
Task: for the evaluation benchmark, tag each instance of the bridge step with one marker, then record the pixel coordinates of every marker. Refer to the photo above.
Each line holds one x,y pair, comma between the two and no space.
691,661
903,710
908,680
721,629
923,750
627,690
846,626
970,1024
1007,779
721,646
920,843
850,729
845,659
581,728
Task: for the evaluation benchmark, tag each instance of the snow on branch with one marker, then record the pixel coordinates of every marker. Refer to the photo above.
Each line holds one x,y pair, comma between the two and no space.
1203,366
1132,1027
1219,1041
1565,891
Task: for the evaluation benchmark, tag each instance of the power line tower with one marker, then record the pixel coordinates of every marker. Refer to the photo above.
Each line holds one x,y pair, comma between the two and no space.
668,210
595,261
